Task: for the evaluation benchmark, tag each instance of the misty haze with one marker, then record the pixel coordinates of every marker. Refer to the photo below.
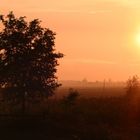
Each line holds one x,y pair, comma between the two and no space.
69,70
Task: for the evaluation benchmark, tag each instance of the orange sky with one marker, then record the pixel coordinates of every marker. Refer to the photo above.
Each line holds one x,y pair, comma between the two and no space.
98,37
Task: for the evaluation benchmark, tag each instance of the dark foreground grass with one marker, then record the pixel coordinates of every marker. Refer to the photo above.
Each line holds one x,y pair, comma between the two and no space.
84,119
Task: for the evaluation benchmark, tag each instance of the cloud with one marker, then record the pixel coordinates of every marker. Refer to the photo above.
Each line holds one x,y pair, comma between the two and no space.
134,62
68,11
100,11
91,61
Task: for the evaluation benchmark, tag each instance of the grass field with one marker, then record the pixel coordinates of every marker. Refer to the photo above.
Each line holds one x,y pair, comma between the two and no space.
89,92
99,116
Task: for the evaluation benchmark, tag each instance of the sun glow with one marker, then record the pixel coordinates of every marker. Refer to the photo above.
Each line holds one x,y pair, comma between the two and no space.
137,39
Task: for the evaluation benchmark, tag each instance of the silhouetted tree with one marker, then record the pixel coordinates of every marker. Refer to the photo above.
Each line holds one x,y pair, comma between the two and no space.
71,98
133,86
28,58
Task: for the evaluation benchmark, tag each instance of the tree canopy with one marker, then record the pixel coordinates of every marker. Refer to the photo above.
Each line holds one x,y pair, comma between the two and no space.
133,86
28,59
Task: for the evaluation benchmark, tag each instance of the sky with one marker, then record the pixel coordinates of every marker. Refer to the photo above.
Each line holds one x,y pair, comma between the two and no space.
99,38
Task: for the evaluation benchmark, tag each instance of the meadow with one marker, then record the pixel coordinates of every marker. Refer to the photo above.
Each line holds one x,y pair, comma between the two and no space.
84,116
92,91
